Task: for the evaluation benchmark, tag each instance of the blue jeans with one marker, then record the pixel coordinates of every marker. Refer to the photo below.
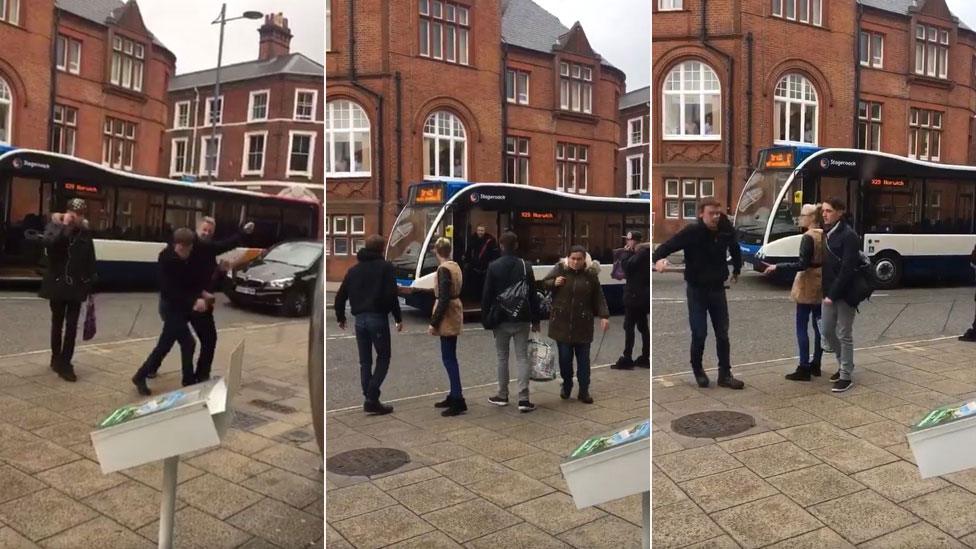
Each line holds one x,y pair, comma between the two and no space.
804,312
582,353
449,357
373,331
704,303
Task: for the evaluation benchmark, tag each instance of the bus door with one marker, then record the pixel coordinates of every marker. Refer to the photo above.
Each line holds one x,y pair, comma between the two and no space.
26,204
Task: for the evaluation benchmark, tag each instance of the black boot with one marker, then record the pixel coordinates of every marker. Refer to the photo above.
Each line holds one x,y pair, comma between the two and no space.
969,336
140,383
456,408
623,363
584,396
565,391
801,374
815,369
642,362
66,371
730,382
444,403
377,408
701,378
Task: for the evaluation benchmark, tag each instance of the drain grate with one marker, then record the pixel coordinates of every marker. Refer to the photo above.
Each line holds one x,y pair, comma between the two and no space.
245,421
713,424
273,406
367,462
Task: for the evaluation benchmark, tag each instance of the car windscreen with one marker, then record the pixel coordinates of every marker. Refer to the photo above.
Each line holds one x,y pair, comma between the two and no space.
297,254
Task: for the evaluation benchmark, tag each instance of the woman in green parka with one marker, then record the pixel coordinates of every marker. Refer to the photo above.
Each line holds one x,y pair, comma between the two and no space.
577,299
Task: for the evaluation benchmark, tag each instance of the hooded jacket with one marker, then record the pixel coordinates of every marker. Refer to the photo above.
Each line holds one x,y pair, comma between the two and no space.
576,303
370,287
70,273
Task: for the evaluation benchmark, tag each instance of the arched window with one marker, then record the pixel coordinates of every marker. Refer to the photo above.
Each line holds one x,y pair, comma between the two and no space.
444,147
692,102
347,140
6,112
795,111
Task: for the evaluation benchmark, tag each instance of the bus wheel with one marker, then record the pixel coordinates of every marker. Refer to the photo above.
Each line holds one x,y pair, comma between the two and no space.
887,270
296,304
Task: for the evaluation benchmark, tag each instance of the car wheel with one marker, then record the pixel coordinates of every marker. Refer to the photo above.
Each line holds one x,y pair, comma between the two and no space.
296,303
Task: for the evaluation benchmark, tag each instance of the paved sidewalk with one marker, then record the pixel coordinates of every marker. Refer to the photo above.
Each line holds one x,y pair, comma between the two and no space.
486,479
819,469
262,488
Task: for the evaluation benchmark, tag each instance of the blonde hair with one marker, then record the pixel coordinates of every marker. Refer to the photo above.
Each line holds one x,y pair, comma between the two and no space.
443,247
813,210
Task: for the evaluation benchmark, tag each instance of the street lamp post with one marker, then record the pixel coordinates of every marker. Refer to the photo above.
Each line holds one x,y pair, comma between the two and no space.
212,146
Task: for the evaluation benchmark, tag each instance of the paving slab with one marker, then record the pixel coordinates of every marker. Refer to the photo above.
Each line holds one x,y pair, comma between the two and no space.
766,521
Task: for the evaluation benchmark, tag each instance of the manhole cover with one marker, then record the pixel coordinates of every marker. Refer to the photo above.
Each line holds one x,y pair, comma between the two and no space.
246,421
273,406
713,424
367,462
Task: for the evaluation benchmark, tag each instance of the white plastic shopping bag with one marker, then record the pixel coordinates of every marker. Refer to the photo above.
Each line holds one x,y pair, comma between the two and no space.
542,356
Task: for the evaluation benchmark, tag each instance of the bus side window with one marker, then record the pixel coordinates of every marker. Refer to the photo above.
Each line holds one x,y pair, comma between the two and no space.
228,214
267,225
186,211
139,215
298,223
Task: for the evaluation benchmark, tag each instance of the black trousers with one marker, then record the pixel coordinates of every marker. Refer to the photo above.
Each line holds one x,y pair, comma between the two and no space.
702,304
64,329
176,328
206,330
636,317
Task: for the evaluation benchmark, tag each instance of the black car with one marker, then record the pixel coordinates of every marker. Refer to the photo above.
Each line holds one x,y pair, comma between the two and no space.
284,277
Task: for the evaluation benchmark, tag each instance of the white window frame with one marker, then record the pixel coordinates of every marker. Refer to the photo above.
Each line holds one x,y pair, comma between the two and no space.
667,212
206,111
670,5
66,61
247,152
630,173
311,154
7,99
677,188
701,188
173,172
250,105
335,225
176,115
330,138
804,105
203,155
10,11
340,239
328,25
631,130
437,138
700,94
315,104
352,224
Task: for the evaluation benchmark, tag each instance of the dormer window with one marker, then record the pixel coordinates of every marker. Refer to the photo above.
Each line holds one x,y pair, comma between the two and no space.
128,58
931,51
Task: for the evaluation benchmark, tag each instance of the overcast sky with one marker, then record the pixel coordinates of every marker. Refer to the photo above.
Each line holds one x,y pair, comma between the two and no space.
965,10
620,31
184,26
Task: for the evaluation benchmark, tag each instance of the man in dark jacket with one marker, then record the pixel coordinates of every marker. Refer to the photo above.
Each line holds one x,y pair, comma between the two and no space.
706,245
636,261
843,254
181,293
970,334
371,289
481,250
504,273
67,281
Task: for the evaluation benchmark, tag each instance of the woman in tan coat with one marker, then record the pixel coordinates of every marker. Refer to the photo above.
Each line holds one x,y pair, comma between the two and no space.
447,322
807,291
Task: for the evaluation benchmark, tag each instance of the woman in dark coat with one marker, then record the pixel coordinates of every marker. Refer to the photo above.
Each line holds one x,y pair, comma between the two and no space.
67,282
577,299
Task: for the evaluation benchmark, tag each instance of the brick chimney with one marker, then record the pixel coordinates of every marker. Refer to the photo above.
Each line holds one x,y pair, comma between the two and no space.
275,37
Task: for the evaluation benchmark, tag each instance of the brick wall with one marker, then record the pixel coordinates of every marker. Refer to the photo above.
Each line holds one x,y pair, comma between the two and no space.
28,73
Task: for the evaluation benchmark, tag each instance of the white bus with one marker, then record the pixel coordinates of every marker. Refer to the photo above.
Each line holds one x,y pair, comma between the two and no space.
130,216
915,217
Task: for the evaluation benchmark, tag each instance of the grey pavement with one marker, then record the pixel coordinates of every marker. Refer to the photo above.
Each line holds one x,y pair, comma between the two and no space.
489,478
261,488
762,319
416,367
818,469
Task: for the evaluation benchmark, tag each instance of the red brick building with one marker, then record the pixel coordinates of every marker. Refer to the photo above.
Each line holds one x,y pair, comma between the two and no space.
831,73
109,79
633,160
269,121
489,91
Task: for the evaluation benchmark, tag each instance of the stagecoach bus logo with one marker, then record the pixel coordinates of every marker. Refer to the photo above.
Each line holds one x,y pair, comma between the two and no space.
828,162
824,163
478,197
474,198
19,163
